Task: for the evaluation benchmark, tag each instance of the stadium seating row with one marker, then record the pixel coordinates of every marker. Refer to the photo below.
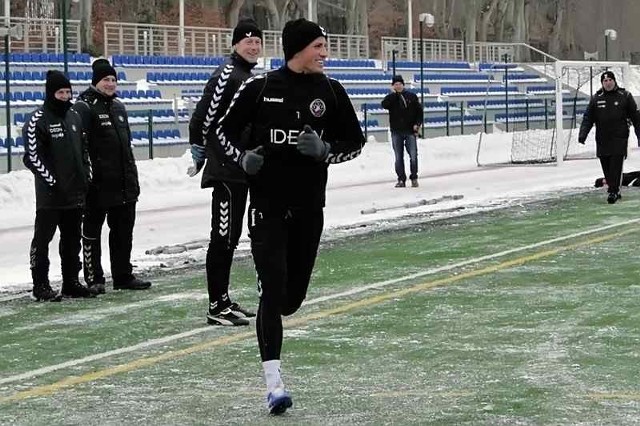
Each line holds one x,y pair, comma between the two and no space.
475,76
333,63
40,76
487,66
14,142
43,58
374,91
430,65
173,77
129,60
477,90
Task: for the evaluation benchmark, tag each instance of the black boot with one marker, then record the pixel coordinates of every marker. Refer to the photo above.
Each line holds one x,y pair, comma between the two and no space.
43,292
74,289
131,284
97,287
613,197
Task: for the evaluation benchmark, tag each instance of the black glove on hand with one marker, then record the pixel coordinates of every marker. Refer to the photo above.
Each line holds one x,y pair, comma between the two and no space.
252,160
582,140
310,144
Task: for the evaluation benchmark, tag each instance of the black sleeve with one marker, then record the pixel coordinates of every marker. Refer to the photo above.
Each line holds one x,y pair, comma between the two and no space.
35,139
349,137
213,103
84,111
240,114
386,102
418,112
633,114
587,120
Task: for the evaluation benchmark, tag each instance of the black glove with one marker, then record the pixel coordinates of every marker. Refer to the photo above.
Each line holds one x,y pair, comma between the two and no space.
252,160
581,140
310,144
198,156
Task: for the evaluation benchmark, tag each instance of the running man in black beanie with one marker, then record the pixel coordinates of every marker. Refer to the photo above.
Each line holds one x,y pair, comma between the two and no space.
226,178
57,156
114,191
300,121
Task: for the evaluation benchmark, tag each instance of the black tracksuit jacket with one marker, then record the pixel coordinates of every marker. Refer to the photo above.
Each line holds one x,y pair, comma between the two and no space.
275,106
611,112
115,175
56,154
403,115
217,95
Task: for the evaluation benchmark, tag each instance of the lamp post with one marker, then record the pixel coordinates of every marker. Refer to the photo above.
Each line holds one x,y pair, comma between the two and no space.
428,19
591,56
64,5
7,33
608,34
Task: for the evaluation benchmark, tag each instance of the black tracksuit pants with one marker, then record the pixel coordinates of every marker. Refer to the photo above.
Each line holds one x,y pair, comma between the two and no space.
284,248
228,203
47,220
612,169
121,219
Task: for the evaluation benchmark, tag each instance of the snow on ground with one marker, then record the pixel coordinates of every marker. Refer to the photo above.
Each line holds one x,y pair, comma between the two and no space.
174,210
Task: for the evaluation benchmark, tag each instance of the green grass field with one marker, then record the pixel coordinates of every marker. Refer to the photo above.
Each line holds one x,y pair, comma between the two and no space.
525,315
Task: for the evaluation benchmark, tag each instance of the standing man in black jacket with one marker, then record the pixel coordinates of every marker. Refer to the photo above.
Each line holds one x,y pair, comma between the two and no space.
228,180
114,190
301,121
611,109
405,119
56,154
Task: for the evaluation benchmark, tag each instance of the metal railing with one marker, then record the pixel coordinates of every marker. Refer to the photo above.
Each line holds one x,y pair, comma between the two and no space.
150,39
434,49
45,35
516,52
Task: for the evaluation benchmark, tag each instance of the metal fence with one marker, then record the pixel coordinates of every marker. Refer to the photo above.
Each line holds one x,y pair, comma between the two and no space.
45,35
149,39
433,49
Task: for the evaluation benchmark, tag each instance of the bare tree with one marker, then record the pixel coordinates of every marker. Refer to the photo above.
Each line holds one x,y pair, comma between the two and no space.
232,11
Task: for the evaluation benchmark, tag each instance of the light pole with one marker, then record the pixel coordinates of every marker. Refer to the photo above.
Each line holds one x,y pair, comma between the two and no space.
591,56
7,33
608,34
428,19
65,49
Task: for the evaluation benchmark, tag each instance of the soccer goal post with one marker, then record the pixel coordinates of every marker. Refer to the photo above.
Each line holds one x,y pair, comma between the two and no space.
622,71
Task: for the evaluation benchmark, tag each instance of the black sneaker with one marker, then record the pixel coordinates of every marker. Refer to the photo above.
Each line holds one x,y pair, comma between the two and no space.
132,284
74,289
613,197
400,184
97,288
239,311
44,293
225,317
414,183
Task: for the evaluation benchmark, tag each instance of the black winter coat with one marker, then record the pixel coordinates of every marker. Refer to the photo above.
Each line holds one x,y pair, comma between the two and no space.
218,92
115,175
611,112
403,115
56,154
276,106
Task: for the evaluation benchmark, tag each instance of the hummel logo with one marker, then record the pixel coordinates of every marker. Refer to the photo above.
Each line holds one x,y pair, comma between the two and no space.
274,100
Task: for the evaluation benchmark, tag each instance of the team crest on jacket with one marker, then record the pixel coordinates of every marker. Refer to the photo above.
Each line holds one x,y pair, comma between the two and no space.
73,127
121,118
318,108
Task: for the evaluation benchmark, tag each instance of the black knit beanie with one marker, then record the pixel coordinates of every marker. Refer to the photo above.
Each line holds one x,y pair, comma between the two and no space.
297,35
245,28
397,79
101,69
607,74
56,81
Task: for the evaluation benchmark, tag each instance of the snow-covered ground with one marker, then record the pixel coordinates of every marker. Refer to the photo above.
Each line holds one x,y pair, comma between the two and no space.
174,210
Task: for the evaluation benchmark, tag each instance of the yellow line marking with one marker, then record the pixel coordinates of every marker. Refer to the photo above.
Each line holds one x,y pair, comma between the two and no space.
303,320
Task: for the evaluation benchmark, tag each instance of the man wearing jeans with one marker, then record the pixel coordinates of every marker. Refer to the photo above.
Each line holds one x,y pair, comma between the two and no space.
405,119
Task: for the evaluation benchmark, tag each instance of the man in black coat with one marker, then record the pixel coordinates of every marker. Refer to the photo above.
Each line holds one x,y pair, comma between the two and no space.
300,122
405,119
56,154
228,180
611,109
114,190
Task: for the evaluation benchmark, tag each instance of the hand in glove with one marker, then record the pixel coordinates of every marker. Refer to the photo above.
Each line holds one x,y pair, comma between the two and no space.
252,160
581,140
198,155
310,144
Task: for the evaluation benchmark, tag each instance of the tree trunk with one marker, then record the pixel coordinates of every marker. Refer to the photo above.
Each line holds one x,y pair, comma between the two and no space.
86,32
485,20
232,11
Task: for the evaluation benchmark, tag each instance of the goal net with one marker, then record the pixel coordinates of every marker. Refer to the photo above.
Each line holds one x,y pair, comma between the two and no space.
532,135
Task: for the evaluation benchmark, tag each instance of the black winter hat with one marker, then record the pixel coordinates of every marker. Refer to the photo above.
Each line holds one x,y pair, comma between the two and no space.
297,35
245,28
101,69
607,74
56,81
397,79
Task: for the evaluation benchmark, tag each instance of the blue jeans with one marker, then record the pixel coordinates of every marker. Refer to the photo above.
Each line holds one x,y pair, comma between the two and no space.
400,141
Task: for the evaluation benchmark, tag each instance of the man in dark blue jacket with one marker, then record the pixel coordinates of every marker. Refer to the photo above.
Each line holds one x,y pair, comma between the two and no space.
228,180
56,154
405,119
611,109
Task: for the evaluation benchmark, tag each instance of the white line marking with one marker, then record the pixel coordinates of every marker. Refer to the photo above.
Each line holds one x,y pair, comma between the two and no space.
171,338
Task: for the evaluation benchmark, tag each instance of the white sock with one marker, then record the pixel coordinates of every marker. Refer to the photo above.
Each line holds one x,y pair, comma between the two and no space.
272,374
